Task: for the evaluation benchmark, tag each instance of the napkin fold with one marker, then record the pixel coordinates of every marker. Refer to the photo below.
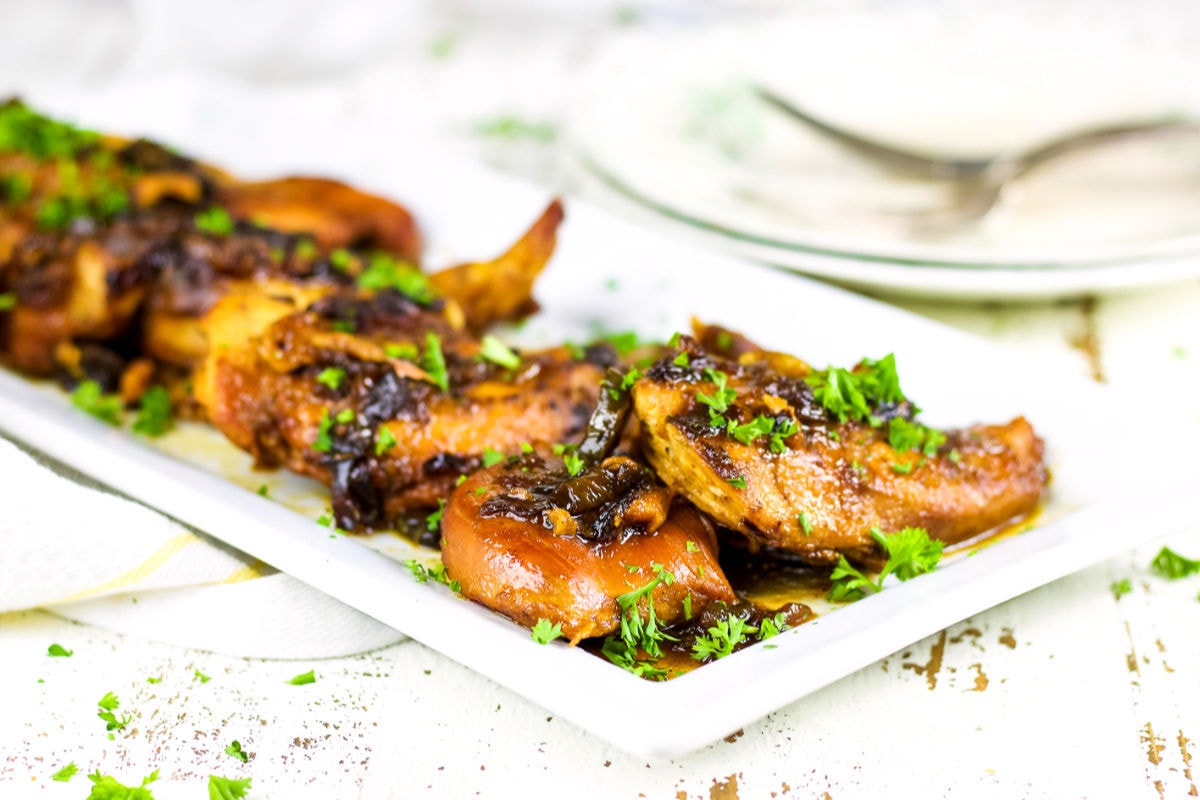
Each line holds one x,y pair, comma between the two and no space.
99,558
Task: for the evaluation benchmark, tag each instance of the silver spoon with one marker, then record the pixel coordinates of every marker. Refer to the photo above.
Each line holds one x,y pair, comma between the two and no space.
979,183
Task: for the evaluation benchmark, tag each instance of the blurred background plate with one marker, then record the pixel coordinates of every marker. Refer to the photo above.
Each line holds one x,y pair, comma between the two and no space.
668,127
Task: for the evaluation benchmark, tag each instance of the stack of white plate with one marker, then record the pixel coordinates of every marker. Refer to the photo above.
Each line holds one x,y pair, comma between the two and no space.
669,129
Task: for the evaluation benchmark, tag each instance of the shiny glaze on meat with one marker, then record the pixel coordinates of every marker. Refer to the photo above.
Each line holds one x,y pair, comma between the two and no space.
839,475
261,390
510,539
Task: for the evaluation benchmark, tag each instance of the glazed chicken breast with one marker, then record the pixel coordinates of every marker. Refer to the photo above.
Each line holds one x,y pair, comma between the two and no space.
771,448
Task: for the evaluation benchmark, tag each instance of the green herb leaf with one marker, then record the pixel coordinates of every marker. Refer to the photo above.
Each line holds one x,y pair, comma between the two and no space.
434,520
492,457
58,651
234,749
855,394
722,639
385,272
214,220
154,413
805,523
302,679
573,463
332,377
543,632
639,634
408,352
324,442
1173,566
910,552
227,788
66,773
106,787
109,704
434,362
1121,588
200,676
340,259
89,397
8,301
384,440
496,351
738,482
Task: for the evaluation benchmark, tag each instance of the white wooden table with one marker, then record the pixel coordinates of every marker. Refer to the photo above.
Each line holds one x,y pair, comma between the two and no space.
1068,691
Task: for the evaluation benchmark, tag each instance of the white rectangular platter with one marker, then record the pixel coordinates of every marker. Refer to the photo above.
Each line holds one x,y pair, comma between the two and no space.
1113,486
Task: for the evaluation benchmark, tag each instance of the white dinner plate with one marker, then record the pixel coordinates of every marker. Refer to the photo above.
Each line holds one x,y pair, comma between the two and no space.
610,274
669,126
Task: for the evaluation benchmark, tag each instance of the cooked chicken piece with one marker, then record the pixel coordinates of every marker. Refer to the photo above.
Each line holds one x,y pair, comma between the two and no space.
525,539
501,290
751,445
379,396
335,214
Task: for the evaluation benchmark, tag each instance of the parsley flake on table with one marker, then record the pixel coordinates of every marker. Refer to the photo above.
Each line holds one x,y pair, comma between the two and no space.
543,632
234,749
108,706
303,678
227,788
90,398
66,773
1173,566
910,552
154,413
58,651
1120,588
106,787
200,676
331,377
493,350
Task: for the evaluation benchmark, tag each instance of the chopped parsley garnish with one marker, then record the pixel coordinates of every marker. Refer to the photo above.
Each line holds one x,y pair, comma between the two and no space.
340,259
1120,588
262,490
747,432
738,482
8,301
805,523
24,130
544,633
492,457
154,413
106,787
630,378
200,676
493,350
904,435
434,362
384,440
434,520
692,547
385,272
227,788
855,394
66,773
408,352
89,397
324,442
437,572
639,634
574,464
624,342
1173,566
719,401
15,188
772,626
302,679
681,360
234,749
910,552
332,377
902,469
154,679
345,415
58,651
108,705
214,220
722,638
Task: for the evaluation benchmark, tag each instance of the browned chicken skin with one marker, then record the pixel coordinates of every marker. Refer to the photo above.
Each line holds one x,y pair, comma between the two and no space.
510,539
845,478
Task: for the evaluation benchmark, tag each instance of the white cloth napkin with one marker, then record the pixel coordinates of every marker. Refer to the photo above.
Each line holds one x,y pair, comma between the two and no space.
98,558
